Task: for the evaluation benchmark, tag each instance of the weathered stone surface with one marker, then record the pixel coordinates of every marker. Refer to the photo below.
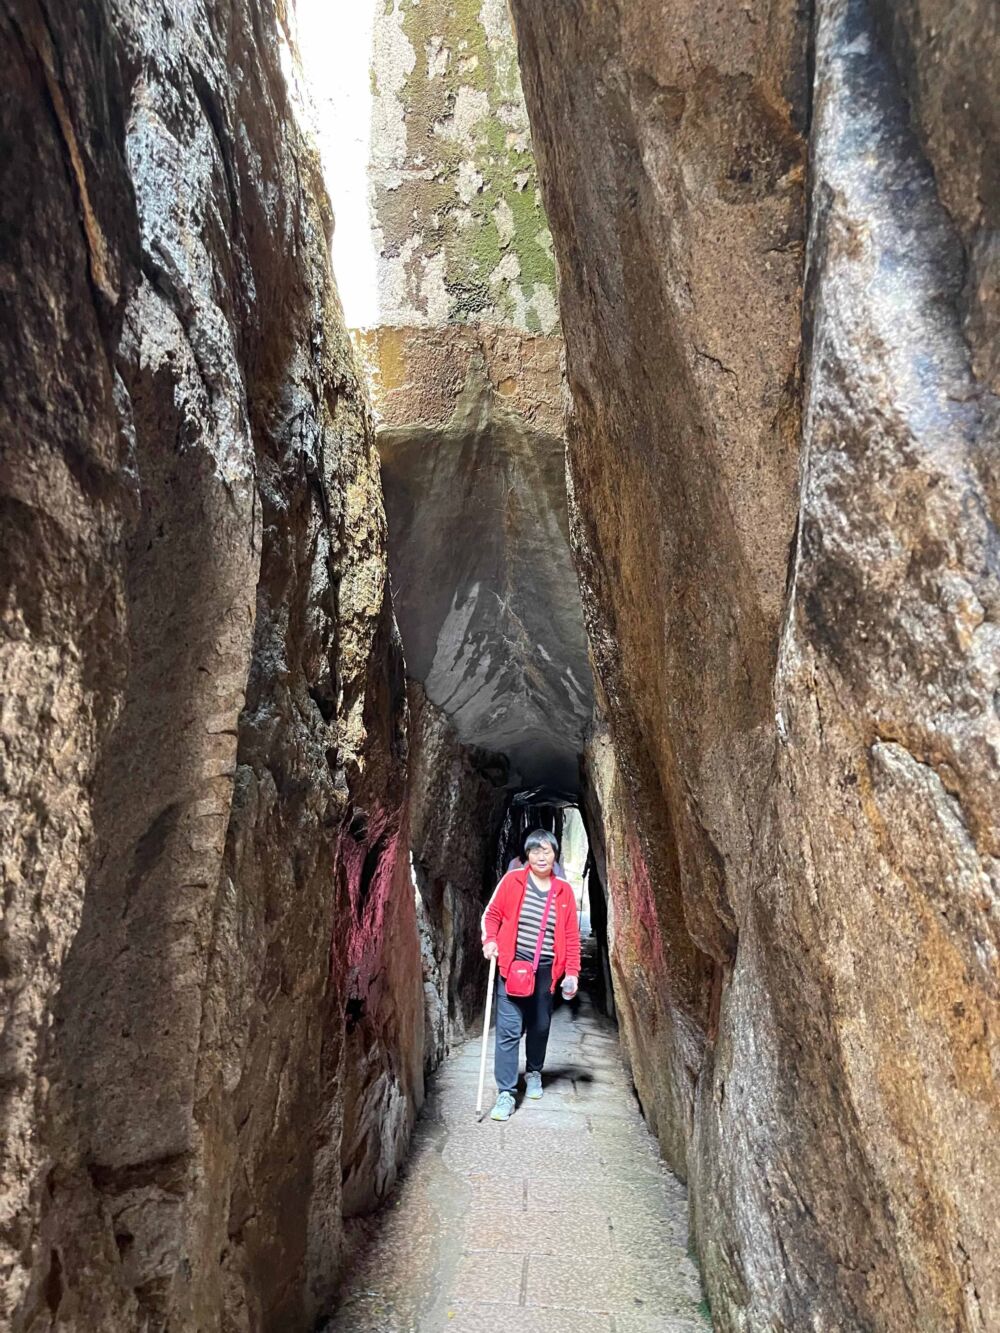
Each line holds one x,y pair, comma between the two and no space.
647,952
560,1221
457,797
876,920
203,705
806,788
945,56
418,374
65,510
462,237
483,579
670,154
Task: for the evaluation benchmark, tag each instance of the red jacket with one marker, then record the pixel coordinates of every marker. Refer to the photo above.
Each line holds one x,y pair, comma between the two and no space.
501,917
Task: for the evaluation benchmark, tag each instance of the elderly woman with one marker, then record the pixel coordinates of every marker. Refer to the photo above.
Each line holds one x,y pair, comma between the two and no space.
530,927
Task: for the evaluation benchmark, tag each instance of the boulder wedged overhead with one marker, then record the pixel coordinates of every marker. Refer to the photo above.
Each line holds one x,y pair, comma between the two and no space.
483,580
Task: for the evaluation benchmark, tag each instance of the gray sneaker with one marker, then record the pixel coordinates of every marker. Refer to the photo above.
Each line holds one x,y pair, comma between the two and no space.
533,1081
504,1107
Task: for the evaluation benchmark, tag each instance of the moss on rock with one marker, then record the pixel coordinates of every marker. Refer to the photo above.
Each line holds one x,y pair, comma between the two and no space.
467,164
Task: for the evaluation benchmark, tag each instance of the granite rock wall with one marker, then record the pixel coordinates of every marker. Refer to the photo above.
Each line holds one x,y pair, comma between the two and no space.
456,801
203,706
783,467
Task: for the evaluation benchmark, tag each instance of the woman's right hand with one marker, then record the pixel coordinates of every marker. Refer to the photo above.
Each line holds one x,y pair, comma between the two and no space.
491,949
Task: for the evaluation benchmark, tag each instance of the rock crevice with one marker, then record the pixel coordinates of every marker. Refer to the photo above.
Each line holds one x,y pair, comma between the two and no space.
248,824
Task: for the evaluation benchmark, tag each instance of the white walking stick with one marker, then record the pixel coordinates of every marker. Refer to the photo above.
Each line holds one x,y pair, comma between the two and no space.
486,1035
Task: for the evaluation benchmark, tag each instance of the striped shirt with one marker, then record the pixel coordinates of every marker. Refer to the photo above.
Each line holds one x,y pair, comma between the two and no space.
529,923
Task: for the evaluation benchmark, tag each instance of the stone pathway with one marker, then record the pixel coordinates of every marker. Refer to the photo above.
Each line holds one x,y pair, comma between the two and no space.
564,1220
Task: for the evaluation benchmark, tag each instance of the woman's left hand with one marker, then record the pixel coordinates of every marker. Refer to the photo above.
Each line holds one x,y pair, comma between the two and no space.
569,987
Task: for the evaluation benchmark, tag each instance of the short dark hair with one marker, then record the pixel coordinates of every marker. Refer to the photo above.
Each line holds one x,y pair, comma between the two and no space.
540,838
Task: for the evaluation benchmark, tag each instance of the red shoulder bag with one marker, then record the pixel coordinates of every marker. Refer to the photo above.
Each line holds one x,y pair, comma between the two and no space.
520,980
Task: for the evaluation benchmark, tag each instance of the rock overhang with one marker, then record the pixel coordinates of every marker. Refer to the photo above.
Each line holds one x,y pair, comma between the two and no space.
484,585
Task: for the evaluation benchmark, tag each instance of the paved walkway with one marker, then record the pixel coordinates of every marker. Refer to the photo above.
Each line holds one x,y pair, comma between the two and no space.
564,1220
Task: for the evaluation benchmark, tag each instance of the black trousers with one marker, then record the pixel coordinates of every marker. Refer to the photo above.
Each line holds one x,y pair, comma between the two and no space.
532,1015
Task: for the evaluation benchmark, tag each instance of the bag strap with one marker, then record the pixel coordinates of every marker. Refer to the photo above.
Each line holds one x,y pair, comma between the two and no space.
541,933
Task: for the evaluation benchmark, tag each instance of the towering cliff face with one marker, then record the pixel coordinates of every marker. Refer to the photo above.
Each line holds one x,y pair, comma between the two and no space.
203,705
676,200
802,799
462,236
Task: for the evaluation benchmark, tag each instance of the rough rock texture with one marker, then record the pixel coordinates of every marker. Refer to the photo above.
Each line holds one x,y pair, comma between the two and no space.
945,58
483,579
804,787
880,854
457,797
656,1035
462,237
203,705
469,399
665,144
417,375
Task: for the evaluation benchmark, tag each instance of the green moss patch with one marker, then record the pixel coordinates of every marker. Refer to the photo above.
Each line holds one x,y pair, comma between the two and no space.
466,230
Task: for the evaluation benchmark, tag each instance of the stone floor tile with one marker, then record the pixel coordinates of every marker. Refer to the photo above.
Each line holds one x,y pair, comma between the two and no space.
577,1154
537,1232
609,1112
639,1198
562,1219
593,1036
476,1158
516,1319
612,1288
644,1234
551,1113
661,1323
487,1277
565,1196
634,1167
487,1187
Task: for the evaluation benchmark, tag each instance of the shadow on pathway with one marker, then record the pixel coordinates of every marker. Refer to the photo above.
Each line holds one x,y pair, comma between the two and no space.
564,1220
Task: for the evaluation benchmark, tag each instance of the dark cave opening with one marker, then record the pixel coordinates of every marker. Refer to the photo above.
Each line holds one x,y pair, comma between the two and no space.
563,814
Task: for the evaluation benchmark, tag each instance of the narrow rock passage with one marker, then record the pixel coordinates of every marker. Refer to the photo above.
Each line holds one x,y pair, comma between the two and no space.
564,1220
